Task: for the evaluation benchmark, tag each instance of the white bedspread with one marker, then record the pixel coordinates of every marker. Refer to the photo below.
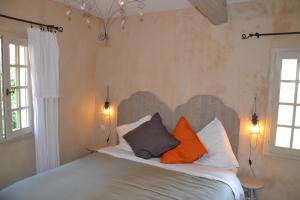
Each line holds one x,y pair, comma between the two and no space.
226,176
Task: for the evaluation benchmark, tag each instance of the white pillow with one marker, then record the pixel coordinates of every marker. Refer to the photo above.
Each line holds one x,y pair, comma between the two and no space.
124,129
220,153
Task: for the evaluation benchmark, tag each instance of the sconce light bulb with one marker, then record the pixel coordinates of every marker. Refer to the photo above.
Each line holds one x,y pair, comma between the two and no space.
255,129
106,111
107,107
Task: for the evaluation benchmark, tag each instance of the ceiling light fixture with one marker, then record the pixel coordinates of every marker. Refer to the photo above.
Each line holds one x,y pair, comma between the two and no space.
116,8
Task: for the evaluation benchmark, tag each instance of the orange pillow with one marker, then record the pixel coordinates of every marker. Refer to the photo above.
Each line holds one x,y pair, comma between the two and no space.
190,147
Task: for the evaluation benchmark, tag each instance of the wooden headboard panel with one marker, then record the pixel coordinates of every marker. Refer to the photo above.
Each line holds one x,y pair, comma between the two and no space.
199,111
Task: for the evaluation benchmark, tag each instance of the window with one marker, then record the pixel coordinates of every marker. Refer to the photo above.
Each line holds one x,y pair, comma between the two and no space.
284,103
16,104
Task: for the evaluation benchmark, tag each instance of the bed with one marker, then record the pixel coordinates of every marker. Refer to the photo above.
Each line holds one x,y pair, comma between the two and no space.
116,174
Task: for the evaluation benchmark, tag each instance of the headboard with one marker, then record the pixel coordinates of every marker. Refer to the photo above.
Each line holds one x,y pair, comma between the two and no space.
199,111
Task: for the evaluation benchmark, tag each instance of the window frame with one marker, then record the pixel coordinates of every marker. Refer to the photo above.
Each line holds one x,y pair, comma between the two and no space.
273,103
9,133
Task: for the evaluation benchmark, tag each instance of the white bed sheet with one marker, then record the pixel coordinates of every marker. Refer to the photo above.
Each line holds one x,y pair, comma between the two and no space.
226,176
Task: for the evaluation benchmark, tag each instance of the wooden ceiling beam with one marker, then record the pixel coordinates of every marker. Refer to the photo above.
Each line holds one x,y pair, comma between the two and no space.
214,10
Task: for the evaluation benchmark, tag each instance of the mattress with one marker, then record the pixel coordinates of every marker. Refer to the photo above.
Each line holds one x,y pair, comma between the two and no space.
115,174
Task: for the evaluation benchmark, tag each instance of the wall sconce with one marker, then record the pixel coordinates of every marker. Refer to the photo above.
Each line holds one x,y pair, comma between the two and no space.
255,127
107,109
255,131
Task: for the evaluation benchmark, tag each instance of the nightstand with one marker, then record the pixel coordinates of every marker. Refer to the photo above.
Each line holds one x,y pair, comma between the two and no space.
93,148
250,185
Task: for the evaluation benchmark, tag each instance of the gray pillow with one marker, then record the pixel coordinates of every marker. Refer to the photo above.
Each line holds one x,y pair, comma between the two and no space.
150,139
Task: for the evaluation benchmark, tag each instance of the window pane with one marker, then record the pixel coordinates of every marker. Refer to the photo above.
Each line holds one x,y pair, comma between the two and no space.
283,137
24,97
298,95
289,68
15,120
3,127
13,76
12,54
22,55
24,118
297,118
287,92
26,55
285,115
296,139
23,76
14,98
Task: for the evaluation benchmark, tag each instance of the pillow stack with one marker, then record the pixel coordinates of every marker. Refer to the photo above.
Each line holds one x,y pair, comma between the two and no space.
148,138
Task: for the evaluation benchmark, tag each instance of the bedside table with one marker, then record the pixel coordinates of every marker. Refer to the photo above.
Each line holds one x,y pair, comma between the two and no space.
250,185
93,148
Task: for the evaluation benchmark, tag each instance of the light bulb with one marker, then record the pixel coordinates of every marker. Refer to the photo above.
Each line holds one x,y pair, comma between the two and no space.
141,16
82,6
123,22
255,129
106,111
121,3
88,21
68,12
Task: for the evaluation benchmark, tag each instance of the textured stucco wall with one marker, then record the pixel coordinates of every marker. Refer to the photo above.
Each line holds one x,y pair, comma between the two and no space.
77,84
179,54
174,54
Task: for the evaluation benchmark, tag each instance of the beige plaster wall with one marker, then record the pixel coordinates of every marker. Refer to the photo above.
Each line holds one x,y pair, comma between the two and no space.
77,84
176,55
179,54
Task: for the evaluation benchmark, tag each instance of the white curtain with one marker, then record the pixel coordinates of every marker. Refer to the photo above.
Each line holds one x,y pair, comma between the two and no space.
43,58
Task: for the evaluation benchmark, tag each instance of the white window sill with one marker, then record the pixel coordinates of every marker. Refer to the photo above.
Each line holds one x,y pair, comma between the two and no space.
283,153
16,138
